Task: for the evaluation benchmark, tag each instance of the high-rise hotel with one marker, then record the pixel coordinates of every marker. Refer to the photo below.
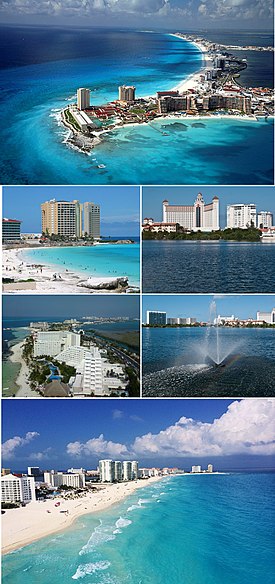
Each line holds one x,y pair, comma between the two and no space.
66,217
200,216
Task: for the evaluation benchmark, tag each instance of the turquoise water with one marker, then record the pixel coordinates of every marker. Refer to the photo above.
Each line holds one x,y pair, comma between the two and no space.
53,64
183,530
99,260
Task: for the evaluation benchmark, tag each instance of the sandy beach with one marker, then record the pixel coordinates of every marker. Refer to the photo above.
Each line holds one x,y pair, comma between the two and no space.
22,379
38,519
47,279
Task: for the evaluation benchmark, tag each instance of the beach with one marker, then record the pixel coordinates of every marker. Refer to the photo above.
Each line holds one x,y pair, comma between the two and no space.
38,519
52,280
22,379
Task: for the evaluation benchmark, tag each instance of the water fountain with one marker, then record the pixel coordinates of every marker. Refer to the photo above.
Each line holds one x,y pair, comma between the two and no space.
217,348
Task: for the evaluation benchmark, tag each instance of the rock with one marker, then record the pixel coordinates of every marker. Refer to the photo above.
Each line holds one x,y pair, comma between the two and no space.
107,285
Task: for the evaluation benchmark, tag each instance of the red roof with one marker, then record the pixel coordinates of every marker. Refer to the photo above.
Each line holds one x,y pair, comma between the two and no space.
11,221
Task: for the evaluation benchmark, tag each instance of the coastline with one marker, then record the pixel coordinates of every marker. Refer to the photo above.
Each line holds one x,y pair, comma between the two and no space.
22,379
23,526
67,281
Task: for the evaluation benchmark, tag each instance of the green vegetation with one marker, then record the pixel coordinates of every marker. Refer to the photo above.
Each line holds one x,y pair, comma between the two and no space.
250,234
10,505
133,386
70,119
65,370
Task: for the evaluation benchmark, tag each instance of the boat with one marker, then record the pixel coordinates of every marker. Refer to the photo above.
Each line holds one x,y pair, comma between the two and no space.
101,166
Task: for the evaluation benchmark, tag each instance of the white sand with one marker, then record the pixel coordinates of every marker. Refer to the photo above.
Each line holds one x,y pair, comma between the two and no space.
22,379
25,525
66,282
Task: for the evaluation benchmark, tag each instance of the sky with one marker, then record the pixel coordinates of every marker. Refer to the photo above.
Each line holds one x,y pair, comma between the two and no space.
119,206
232,434
198,306
263,197
70,306
215,14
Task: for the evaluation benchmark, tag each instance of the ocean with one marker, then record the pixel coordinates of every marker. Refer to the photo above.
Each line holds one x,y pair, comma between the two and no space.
181,362
186,529
41,70
111,260
202,267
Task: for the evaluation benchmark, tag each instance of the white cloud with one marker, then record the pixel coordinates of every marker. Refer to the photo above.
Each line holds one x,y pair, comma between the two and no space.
97,447
247,427
117,414
41,455
9,447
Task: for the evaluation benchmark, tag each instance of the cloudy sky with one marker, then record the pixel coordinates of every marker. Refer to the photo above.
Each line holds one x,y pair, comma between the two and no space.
157,13
57,434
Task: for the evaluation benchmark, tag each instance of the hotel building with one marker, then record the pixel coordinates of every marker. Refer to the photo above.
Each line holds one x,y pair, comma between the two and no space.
62,218
241,216
200,216
196,468
91,214
52,343
83,98
11,230
126,93
17,489
268,317
265,220
111,471
181,321
75,480
33,471
155,317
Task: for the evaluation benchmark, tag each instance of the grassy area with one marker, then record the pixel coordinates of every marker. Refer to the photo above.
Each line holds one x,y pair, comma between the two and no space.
70,119
130,338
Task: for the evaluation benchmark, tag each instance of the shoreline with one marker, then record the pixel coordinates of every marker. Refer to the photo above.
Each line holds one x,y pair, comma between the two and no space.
33,522
67,281
22,379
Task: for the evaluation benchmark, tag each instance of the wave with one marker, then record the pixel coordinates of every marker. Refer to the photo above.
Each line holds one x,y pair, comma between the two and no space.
100,535
123,522
91,568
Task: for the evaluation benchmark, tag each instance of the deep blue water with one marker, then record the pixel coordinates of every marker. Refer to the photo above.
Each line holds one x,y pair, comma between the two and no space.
181,362
197,266
216,529
43,68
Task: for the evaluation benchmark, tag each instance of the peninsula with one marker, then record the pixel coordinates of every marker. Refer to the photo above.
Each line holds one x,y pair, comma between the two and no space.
215,90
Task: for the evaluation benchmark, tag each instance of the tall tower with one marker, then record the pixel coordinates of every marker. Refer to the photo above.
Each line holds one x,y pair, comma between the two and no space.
216,214
83,98
91,214
62,218
165,204
126,93
199,212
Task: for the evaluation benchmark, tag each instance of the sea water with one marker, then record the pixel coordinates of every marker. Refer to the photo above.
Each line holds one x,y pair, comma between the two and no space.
110,260
42,70
216,529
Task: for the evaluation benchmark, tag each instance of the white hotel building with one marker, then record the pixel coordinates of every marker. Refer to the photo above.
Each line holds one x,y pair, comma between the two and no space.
200,216
53,342
268,317
116,470
265,219
76,480
241,216
17,489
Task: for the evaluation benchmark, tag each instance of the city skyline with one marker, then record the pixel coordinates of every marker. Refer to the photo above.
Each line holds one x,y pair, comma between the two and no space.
168,13
153,197
233,433
65,306
242,306
125,200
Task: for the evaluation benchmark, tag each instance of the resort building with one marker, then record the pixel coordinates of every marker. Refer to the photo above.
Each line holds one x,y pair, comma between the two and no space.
62,218
91,214
56,479
34,471
11,230
5,471
200,216
241,216
126,93
116,471
221,320
52,343
181,321
210,468
196,468
265,220
17,489
106,471
155,317
268,317
83,98
151,225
